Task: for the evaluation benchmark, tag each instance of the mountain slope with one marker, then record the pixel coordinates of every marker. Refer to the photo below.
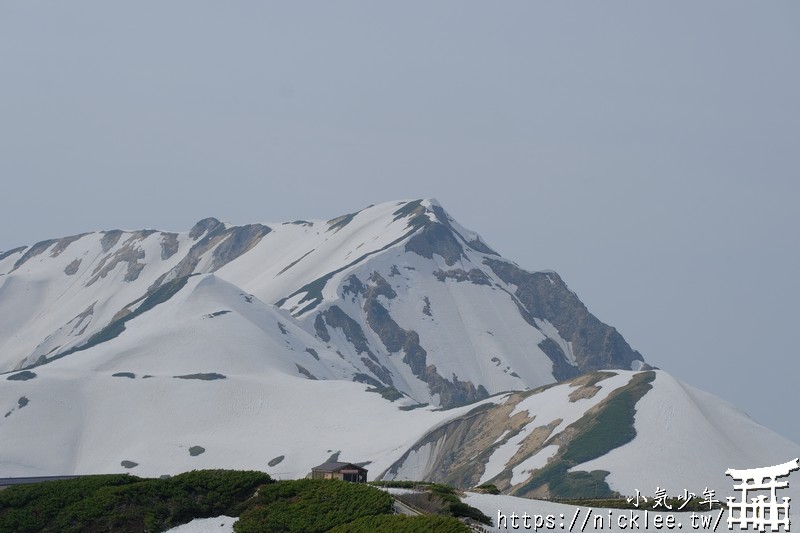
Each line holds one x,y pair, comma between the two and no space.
601,433
377,286
391,336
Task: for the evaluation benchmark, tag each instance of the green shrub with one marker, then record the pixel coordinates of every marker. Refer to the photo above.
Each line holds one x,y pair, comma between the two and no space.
311,505
30,508
126,503
487,488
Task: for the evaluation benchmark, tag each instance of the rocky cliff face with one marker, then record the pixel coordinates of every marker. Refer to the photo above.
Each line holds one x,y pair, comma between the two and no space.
403,294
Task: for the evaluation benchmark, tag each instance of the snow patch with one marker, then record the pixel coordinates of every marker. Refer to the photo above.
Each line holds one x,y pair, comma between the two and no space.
218,524
552,333
523,470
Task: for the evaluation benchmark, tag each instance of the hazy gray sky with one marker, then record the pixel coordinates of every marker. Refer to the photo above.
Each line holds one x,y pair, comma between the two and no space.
648,152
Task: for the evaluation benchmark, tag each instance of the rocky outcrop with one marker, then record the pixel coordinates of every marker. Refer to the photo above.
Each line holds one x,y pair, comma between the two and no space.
169,245
544,295
396,339
459,452
33,251
225,245
474,275
436,238
236,242
130,252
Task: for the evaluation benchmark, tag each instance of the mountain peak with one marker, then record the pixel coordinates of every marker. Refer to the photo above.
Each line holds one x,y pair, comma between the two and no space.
389,277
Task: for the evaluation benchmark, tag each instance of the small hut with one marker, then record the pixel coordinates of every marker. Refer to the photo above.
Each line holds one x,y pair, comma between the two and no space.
336,470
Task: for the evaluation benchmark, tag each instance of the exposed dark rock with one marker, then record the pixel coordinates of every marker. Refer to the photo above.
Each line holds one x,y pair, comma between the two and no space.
394,271
72,268
217,313
415,212
451,393
379,287
169,245
227,244
213,232
313,290
427,309
544,295
475,275
22,402
369,380
336,318
353,285
561,368
300,223
480,246
392,335
194,451
283,329
33,251
379,370
275,460
239,240
387,393
204,376
61,244
110,239
409,208
412,407
11,252
454,446
130,252
476,244
204,226
339,222
321,329
117,324
305,372
159,281
129,375
313,353
435,238
25,375
293,263
442,216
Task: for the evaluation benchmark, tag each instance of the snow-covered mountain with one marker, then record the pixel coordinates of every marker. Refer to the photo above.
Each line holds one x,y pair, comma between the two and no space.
276,346
400,294
603,431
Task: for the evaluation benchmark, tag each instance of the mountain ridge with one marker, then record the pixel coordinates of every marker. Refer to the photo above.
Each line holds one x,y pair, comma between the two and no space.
385,335
306,285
